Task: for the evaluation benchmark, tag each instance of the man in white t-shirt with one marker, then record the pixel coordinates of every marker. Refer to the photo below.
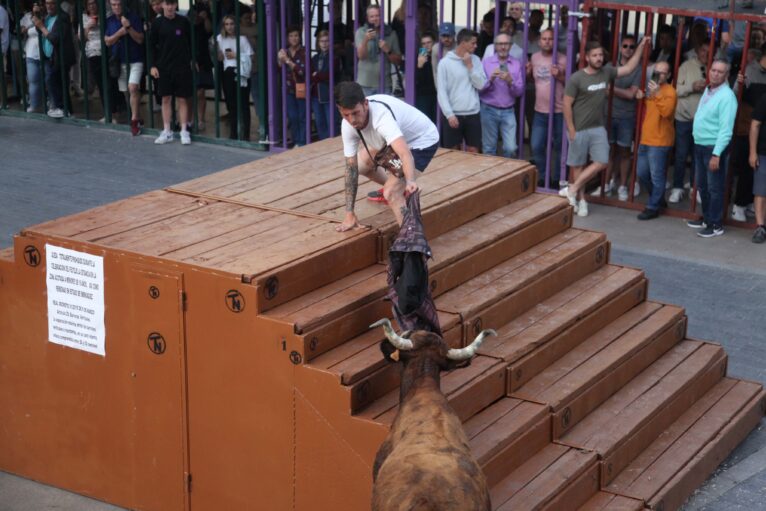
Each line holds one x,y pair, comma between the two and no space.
372,127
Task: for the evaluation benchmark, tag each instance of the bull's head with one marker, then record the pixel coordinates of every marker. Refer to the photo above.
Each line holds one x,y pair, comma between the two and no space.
410,344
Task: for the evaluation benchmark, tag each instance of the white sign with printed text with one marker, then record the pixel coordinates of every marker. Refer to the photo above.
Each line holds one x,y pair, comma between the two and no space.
75,282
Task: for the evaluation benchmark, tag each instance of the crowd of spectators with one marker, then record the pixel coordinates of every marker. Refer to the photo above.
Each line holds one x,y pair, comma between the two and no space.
471,83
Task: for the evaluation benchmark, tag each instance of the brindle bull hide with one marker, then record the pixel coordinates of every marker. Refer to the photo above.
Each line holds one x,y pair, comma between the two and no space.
425,463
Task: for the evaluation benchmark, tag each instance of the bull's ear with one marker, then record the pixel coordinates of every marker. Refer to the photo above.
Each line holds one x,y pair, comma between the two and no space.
389,351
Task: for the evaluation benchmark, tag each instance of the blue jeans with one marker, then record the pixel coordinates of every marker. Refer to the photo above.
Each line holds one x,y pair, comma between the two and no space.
711,185
296,118
684,148
55,87
494,121
35,85
322,118
651,166
539,140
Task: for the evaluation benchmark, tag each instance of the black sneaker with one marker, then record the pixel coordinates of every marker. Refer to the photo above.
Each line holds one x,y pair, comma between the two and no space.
648,214
697,224
711,231
759,236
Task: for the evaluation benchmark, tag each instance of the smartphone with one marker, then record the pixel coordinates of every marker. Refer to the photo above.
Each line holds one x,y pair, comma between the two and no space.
504,67
655,77
423,52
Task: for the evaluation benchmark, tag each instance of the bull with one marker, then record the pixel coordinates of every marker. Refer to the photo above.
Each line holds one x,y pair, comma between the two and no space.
425,462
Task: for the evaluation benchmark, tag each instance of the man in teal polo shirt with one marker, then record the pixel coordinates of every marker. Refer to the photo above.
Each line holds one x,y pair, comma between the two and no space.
712,131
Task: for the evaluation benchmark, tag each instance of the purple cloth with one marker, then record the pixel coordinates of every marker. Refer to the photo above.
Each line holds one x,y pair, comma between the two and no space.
497,92
408,284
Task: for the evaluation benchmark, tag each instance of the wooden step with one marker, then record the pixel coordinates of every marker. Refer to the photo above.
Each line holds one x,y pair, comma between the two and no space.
478,245
555,478
666,473
504,434
501,294
631,419
585,377
605,501
336,312
554,326
468,390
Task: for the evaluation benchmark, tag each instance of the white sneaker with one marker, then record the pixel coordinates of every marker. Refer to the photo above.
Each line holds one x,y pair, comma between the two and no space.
564,192
636,189
31,109
622,193
185,138
676,195
164,138
738,213
582,208
56,113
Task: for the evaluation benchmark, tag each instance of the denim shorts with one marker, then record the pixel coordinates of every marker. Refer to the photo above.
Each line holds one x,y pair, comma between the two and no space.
591,142
759,177
622,131
423,157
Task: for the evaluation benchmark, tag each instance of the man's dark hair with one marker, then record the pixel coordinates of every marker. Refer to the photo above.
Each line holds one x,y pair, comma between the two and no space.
511,19
490,16
170,2
705,42
629,36
666,29
466,35
592,45
293,28
431,34
348,94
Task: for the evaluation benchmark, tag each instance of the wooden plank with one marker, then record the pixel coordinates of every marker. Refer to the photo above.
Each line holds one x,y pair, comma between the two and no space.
515,482
119,216
700,434
504,278
449,272
531,440
578,492
592,393
694,474
632,473
543,280
603,501
539,347
541,490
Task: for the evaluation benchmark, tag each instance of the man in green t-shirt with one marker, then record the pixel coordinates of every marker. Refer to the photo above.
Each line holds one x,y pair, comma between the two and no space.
584,100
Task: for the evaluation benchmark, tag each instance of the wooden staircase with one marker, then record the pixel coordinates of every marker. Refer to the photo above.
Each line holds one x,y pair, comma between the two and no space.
591,396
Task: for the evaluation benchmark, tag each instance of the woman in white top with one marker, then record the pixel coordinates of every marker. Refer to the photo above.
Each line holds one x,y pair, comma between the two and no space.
235,80
32,56
92,30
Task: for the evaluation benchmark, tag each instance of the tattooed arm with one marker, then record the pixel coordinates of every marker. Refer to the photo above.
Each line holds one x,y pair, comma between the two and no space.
352,183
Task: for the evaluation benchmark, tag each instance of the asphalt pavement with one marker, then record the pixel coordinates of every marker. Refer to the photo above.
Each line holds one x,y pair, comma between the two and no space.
48,170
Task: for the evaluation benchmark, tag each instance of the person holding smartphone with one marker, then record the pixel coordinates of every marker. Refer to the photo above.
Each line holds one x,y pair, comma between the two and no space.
371,47
498,97
236,76
425,88
657,137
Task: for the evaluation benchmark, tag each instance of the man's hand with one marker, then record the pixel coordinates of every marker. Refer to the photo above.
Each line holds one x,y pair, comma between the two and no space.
639,94
422,59
529,69
453,122
383,46
652,88
572,134
495,74
715,163
370,35
753,161
411,187
155,72
468,61
350,222
555,71
740,78
506,76
125,22
37,22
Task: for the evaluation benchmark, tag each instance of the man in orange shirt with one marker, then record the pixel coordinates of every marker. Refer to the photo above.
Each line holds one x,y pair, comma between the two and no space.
657,136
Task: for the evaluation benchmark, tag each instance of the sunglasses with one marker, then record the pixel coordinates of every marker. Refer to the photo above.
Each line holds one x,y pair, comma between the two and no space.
629,46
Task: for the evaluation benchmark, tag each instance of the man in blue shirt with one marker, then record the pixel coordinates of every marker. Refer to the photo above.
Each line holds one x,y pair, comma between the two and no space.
124,35
712,131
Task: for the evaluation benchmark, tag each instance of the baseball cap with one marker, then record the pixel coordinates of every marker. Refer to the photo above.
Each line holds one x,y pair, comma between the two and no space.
447,28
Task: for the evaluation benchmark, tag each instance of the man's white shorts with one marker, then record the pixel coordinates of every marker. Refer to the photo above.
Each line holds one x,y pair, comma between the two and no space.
136,70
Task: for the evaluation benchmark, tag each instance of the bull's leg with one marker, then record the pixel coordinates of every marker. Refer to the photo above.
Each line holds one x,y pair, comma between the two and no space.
385,449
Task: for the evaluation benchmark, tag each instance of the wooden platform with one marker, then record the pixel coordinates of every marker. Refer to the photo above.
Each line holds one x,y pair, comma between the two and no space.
271,391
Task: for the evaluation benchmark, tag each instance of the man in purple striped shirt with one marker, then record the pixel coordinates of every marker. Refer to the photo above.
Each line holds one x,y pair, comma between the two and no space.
504,85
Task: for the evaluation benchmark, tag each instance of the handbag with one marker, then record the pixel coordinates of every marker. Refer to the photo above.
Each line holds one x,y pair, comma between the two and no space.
300,88
386,157
114,66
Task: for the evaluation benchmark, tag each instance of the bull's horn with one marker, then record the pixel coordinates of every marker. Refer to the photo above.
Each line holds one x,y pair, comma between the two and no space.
399,343
470,350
